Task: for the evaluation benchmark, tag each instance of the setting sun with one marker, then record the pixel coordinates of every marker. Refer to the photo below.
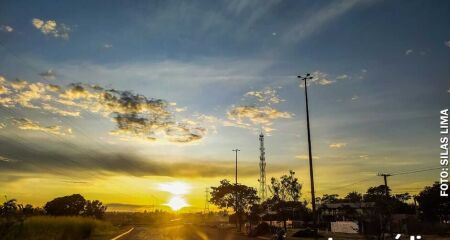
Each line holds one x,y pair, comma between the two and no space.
176,203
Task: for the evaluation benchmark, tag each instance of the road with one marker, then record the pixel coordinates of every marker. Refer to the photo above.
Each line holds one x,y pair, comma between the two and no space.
182,232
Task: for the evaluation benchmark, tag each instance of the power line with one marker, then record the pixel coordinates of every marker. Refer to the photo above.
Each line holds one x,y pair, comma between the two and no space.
415,171
392,174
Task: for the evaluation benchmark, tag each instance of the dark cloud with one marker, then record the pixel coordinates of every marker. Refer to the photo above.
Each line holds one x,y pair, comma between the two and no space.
127,207
67,160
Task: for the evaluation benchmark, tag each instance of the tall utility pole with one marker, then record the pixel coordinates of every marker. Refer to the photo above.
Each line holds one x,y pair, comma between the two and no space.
236,193
311,172
385,176
236,150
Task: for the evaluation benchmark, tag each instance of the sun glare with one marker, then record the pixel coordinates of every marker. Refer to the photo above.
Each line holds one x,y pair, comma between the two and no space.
176,188
176,203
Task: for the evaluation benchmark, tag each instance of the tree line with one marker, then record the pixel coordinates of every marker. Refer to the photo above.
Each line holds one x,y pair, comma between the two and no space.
285,203
72,205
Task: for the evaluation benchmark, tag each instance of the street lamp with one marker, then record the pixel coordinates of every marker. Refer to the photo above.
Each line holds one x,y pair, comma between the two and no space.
305,79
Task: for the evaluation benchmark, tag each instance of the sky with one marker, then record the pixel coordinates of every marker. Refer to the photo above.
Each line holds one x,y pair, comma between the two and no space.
123,102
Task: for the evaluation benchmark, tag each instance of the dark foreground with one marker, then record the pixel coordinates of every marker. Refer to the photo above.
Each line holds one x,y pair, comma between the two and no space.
181,232
196,232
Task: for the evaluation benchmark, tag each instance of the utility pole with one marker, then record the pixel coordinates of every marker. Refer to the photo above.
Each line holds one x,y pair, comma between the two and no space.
236,194
311,172
385,176
416,210
236,150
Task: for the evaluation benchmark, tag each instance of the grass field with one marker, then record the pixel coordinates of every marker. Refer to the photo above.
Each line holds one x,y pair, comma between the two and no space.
58,228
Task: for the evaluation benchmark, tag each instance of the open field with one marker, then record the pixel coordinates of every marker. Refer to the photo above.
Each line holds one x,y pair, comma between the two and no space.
55,228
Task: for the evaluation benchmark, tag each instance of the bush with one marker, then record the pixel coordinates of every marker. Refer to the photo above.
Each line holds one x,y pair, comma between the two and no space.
263,229
56,228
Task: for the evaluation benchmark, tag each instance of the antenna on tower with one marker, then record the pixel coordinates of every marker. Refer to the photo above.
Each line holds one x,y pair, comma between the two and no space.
262,168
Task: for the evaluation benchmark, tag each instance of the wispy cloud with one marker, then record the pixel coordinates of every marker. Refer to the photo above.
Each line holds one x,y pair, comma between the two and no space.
260,113
447,43
51,28
316,19
27,124
256,115
267,95
319,78
338,145
107,45
306,157
409,52
342,77
6,28
48,75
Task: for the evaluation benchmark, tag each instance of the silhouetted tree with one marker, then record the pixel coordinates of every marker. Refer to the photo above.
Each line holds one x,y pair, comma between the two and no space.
329,198
66,206
291,187
10,208
224,196
285,195
353,197
28,210
95,209
432,206
376,193
276,189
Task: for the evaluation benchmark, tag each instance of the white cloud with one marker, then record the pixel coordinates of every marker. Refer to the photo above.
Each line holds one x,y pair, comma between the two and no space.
48,75
342,77
409,52
267,96
258,114
447,43
135,115
51,28
355,98
6,28
107,45
27,124
318,78
306,157
364,156
325,81
338,145
5,159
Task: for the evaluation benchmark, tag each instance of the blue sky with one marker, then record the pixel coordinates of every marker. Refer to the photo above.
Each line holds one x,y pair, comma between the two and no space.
382,74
